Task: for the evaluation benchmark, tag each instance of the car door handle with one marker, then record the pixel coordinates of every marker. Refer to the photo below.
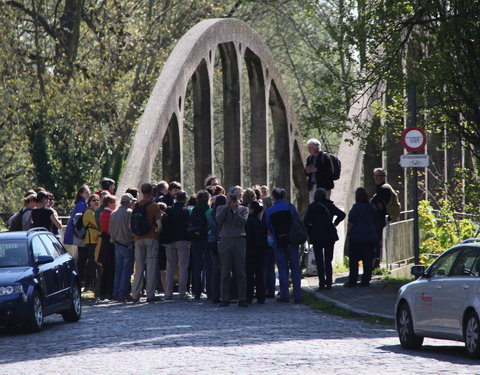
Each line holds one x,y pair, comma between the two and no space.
439,287
465,286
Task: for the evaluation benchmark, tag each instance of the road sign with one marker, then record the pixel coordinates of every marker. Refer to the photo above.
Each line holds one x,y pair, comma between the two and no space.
414,161
414,139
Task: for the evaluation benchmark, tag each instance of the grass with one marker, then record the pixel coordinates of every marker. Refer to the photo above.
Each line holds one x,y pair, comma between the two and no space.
382,271
340,268
395,283
327,307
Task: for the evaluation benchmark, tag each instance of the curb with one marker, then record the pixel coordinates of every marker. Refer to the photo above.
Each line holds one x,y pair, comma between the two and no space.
345,306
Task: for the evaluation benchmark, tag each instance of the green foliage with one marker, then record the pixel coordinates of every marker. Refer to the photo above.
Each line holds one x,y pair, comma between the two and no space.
75,77
424,43
441,231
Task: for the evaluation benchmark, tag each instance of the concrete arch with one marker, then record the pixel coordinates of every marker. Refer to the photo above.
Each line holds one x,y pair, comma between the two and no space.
193,60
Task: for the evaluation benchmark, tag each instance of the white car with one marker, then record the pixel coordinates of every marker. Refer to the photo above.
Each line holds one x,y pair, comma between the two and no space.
444,302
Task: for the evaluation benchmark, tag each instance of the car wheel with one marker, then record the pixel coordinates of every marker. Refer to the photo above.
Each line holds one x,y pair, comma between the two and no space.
408,338
35,321
471,335
74,313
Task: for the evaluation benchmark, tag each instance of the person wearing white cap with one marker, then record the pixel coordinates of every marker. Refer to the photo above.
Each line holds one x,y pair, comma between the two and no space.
122,237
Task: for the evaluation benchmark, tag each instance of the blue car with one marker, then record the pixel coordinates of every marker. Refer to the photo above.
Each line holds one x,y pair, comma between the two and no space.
37,278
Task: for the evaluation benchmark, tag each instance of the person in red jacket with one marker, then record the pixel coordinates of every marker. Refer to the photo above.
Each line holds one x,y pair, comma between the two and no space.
107,250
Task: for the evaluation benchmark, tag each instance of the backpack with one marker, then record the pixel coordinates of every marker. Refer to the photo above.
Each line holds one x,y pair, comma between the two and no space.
336,165
139,223
16,224
297,234
393,206
196,225
167,235
79,230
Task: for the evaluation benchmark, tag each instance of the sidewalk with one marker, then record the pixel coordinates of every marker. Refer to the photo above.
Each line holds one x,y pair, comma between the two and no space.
376,300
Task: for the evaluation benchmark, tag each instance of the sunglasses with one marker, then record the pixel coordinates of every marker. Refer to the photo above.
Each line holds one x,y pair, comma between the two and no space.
95,200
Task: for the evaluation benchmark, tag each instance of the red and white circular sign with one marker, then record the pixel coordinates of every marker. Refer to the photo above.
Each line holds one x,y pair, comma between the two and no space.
414,139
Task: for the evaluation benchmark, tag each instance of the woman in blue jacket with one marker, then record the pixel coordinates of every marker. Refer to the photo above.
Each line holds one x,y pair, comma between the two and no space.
80,207
362,236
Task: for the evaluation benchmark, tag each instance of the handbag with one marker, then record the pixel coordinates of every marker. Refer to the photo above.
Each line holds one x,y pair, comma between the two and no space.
297,234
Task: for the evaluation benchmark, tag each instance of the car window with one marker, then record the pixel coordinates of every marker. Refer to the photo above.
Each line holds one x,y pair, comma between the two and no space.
38,248
466,262
50,245
13,253
443,265
61,250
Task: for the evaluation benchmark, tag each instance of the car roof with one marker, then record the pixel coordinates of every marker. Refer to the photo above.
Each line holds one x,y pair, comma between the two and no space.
471,241
6,235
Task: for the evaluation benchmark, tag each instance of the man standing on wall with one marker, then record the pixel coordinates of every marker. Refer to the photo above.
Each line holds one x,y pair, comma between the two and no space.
319,169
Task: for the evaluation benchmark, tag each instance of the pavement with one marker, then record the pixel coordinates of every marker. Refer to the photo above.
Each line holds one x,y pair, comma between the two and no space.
376,300
198,337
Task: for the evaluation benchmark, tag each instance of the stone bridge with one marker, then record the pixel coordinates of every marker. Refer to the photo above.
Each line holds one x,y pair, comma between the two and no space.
193,62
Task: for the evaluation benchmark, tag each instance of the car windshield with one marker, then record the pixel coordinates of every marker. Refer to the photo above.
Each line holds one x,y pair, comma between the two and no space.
13,253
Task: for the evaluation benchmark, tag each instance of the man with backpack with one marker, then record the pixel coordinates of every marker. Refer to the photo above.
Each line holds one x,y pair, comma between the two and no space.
280,219
321,169
388,208
146,223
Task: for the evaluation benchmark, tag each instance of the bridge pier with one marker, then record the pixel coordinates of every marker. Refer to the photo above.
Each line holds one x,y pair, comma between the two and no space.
259,173
232,115
202,84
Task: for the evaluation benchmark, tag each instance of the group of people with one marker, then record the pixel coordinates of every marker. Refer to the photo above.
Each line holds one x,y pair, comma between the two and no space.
37,211
366,219
224,244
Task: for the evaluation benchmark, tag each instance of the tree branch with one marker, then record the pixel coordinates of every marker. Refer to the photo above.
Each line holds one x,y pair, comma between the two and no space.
41,20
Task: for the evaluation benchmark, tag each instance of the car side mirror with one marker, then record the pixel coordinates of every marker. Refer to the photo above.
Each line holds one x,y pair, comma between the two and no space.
44,259
417,271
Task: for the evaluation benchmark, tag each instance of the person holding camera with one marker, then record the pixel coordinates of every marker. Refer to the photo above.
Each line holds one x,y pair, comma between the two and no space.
231,219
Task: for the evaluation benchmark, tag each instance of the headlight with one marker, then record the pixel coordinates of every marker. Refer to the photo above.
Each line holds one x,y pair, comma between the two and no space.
10,289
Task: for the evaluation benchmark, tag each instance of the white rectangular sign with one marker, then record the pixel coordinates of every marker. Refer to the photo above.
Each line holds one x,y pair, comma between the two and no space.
414,161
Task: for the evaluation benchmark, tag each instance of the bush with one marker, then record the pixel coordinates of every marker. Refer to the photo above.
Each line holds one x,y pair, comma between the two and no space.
441,232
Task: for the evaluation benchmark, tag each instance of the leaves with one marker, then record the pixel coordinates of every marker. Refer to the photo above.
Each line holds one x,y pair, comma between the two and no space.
441,230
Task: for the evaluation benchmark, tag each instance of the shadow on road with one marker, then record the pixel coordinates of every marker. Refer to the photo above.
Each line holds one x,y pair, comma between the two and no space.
454,353
119,327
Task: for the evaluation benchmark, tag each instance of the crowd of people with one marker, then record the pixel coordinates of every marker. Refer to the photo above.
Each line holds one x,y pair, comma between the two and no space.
223,245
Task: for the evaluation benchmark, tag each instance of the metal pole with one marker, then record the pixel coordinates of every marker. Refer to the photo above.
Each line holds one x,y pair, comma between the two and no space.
416,237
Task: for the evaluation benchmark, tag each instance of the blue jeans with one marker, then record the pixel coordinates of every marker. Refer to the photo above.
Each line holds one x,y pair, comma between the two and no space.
124,259
288,259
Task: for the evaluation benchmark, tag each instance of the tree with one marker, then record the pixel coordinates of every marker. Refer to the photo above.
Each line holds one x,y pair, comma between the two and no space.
430,44
76,76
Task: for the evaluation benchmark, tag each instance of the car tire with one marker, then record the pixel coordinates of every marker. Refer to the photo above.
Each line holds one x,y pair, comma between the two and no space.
36,315
74,312
471,333
406,334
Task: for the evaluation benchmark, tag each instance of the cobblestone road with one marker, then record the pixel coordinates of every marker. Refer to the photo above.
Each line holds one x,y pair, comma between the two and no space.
187,337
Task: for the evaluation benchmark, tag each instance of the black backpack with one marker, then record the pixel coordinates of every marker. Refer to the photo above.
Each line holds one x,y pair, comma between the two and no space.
139,223
79,230
16,224
336,165
197,225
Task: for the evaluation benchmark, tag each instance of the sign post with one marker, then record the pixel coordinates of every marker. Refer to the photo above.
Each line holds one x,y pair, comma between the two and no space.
414,139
